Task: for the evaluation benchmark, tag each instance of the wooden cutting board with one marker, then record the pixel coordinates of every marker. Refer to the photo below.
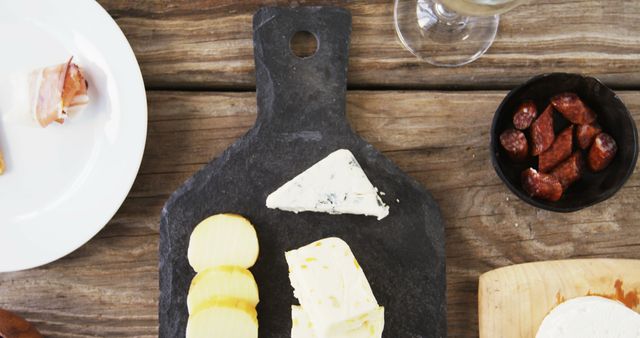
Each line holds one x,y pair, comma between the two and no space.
513,301
301,119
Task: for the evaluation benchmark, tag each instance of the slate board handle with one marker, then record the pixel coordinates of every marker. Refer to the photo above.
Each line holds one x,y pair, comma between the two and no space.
301,94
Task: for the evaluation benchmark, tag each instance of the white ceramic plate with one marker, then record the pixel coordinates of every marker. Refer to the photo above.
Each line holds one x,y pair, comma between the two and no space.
63,183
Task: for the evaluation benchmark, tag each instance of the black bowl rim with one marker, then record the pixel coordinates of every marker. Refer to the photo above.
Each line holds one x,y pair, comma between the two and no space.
542,204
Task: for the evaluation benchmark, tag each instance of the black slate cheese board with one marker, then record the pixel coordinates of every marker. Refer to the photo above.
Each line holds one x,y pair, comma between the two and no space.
301,119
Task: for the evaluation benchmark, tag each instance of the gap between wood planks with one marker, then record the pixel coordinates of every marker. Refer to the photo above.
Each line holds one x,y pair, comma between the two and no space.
451,89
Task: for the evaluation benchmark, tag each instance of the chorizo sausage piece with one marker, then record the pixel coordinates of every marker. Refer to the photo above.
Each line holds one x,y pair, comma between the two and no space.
573,109
525,114
515,143
570,170
558,152
12,325
542,135
602,152
540,185
586,133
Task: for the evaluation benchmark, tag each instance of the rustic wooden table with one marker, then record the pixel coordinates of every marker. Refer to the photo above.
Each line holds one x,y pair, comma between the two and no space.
196,58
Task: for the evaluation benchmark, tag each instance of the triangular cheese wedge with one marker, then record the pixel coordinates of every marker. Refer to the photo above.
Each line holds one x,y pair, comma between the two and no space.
335,185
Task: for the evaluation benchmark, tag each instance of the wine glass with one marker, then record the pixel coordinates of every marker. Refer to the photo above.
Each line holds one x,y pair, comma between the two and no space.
449,33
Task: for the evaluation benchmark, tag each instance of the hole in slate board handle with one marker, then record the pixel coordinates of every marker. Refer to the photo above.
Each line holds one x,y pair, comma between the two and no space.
303,44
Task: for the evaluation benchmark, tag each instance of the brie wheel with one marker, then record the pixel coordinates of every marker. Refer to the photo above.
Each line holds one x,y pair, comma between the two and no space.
590,317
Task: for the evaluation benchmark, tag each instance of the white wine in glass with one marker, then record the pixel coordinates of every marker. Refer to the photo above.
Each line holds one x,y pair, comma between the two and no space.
480,7
449,32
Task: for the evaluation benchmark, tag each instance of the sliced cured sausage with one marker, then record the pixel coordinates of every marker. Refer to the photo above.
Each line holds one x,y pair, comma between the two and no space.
515,144
524,115
541,185
542,135
573,109
586,133
602,152
558,152
570,170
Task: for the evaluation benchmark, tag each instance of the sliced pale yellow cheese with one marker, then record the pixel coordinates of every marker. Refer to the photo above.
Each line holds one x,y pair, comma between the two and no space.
370,326
222,282
331,286
223,240
225,319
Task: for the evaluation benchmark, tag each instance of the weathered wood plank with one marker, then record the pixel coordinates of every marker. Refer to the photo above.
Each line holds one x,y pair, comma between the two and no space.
109,286
207,44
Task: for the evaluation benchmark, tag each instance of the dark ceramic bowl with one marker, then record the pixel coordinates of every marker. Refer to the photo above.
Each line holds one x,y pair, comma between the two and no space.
613,116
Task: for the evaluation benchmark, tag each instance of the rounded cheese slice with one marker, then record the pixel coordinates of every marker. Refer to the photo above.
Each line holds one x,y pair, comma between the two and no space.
223,240
222,282
590,316
224,319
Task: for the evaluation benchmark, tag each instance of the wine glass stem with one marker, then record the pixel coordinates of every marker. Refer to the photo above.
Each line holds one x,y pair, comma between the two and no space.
443,12
438,14
434,32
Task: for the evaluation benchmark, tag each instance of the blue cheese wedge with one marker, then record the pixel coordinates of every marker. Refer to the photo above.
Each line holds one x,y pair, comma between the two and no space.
590,316
302,327
335,185
333,290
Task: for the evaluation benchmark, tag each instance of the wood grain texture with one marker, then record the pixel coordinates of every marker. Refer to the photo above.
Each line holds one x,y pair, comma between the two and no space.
514,300
207,44
109,287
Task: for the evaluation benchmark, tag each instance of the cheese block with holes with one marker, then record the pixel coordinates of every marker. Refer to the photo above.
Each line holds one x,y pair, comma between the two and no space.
301,326
331,286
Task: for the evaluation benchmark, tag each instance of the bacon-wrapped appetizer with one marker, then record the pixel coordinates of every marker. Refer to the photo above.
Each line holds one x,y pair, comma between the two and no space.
56,91
1,163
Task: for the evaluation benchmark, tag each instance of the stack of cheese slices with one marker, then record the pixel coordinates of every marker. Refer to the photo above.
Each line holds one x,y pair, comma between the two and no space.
334,294
223,294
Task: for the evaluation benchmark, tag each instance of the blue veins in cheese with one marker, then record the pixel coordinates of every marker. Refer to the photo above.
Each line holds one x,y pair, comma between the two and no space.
335,185
335,298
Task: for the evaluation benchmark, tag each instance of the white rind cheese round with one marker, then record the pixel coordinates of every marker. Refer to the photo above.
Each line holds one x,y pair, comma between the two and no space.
590,317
